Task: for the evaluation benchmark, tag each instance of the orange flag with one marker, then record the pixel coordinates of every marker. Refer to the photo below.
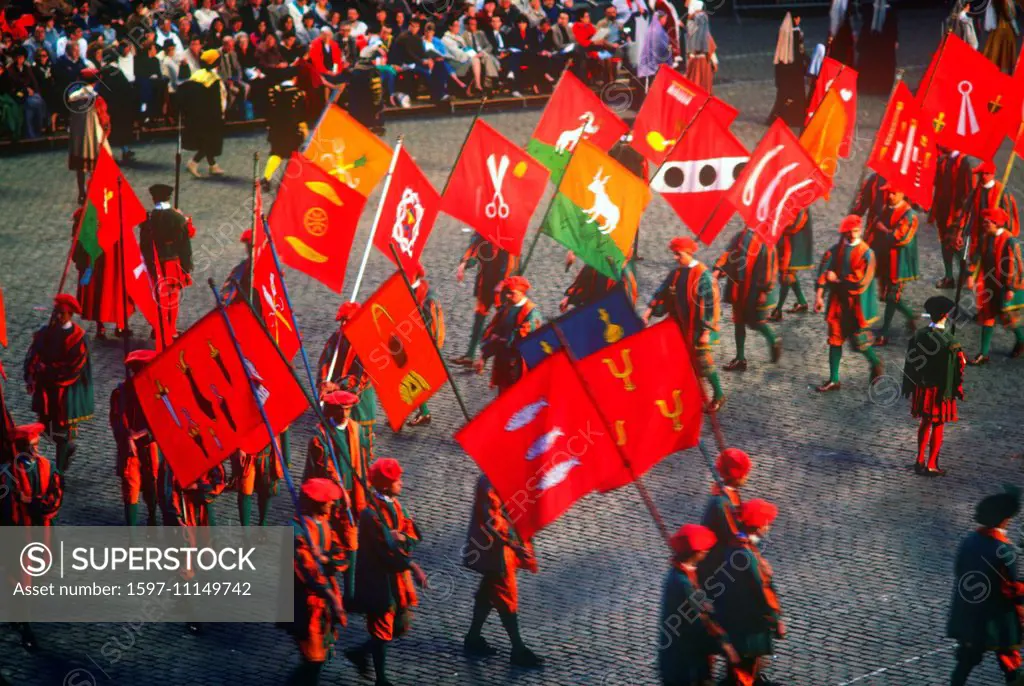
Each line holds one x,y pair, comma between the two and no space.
824,135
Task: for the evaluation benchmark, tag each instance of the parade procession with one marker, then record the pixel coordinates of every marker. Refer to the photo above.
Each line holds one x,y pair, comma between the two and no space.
524,324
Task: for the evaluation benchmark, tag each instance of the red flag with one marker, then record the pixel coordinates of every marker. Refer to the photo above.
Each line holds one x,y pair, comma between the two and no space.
197,401
541,444
779,181
140,287
1018,79
393,343
835,75
971,104
408,214
268,289
654,409
3,320
102,195
314,220
905,153
698,172
494,188
671,103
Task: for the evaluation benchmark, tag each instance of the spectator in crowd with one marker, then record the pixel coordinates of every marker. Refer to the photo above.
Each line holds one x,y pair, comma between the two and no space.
138,22
170,69
229,12
377,52
95,58
53,8
191,61
476,41
235,26
165,32
297,10
122,105
308,32
215,36
359,27
70,66
277,11
322,12
437,52
108,28
234,80
335,21
400,22
22,85
349,46
46,78
290,49
508,58
262,31
534,13
74,35
508,12
287,25
185,29
379,20
38,40
254,13
561,43
126,60
462,59
549,65
526,40
83,20
152,88
246,51
408,51
204,15
551,10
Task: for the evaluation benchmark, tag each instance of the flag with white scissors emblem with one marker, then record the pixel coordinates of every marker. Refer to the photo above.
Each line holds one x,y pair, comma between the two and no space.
495,188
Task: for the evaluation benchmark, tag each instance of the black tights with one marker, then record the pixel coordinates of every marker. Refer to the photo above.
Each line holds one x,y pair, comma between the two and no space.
200,155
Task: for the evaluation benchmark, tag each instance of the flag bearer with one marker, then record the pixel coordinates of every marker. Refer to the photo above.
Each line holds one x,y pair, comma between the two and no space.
137,457
998,277
986,190
733,467
430,307
796,254
954,182
590,285
516,318
895,246
493,266
350,375
165,239
286,125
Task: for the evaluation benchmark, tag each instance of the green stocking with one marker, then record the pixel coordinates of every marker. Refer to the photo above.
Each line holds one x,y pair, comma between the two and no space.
767,332
424,410
131,514
1018,334
905,310
890,310
799,292
986,339
835,354
716,385
872,356
286,449
783,293
741,342
474,336
244,509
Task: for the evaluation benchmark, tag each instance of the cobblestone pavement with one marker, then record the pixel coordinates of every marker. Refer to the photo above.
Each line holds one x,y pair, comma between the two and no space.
862,548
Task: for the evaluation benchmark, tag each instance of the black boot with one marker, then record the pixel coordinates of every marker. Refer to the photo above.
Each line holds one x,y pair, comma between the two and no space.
379,653
521,655
306,674
475,643
357,656
28,638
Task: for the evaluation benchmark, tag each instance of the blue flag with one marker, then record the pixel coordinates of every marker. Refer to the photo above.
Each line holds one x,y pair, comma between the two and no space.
655,50
587,329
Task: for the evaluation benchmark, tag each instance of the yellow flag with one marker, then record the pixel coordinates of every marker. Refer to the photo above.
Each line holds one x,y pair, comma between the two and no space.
346,150
824,134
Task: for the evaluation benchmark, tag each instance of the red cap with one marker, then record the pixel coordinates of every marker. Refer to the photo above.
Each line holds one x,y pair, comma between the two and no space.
683,244
89,74
996,215
693,538
66,301
850,223
516,283
384,472
138,358
985,168
341,399
28,432
888,187
733,464
246,236
346,311
321,490
756,513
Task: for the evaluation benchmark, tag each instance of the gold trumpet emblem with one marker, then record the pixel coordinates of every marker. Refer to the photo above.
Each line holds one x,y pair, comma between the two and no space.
613,333
627,370
677,410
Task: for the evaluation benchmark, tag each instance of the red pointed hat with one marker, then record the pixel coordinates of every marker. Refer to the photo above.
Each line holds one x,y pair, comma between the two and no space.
346,311
66,301
341,399
321,490
516,283
996,215
385,471
757,513
683,244
693,538
246,236
733,464
850,223
28,432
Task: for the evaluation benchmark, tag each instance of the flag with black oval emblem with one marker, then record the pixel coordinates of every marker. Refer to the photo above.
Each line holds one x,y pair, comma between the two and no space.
702,166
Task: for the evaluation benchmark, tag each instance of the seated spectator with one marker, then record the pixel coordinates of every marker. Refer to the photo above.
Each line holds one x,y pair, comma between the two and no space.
53,8
252,14
508,57
551,10
38,40
307,33
609,32
229,11
22,86
126,60
234,80
186,30
599,50
277,11
380,19
149,79
534,14
348,45
108,28
290,48
526,40
322,13
335,21
235,26
377,51
70,66
74,35
358,26
400,22
508,12
165,32
82,19
46,78
561,43
260,34
476,40
297,10
12,118
191,61
170,68
138,22
270,60
464,61
204,15
408,51
215,36
437,52
246,51
287,26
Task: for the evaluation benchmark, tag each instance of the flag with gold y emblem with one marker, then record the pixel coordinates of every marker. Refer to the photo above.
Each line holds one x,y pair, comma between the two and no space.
597,209
649,395
314,220
346,150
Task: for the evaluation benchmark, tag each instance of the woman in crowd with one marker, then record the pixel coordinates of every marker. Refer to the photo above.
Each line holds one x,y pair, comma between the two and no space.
46,79
790,64
462,59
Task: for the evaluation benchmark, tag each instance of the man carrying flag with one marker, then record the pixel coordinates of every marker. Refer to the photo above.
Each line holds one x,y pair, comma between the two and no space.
137,457
985,193
690,296
953,185
165,239
515,319
870,201
239,281
349,375
895,243
998,275
433,317
848,272
494,266
591,285
494,549
99,285
796,255
752,268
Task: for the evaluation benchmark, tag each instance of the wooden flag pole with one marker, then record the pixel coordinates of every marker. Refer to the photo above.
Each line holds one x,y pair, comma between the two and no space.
472,125
124,275
177,165
335,94
1009,165
255,219
437,348
76,233
369,247
637,480
874,142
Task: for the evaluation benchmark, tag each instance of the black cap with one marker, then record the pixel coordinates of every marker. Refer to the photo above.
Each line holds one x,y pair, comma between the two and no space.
161,192
938,306
995,509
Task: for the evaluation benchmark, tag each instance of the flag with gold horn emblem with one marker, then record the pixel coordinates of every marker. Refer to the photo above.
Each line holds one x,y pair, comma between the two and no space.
390,338
314,220
649,396
348,151
587,329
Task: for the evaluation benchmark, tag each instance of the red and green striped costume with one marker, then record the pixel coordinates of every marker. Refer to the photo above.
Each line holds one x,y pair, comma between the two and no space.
690,296
430,308
999,270
590,285
511,324
752,268
896,250
851,307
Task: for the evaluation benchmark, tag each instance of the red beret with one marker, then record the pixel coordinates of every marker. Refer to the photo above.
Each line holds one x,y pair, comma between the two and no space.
733,464
66,301
683,244
757,513
693,538
346,311
138,358
321,490
246,236
985,168
996,215
341,399
888,187
90,74
850,223
385,471
28,432
516,283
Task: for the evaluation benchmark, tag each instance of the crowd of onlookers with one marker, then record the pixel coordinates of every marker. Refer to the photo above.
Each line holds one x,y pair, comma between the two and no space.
437,49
